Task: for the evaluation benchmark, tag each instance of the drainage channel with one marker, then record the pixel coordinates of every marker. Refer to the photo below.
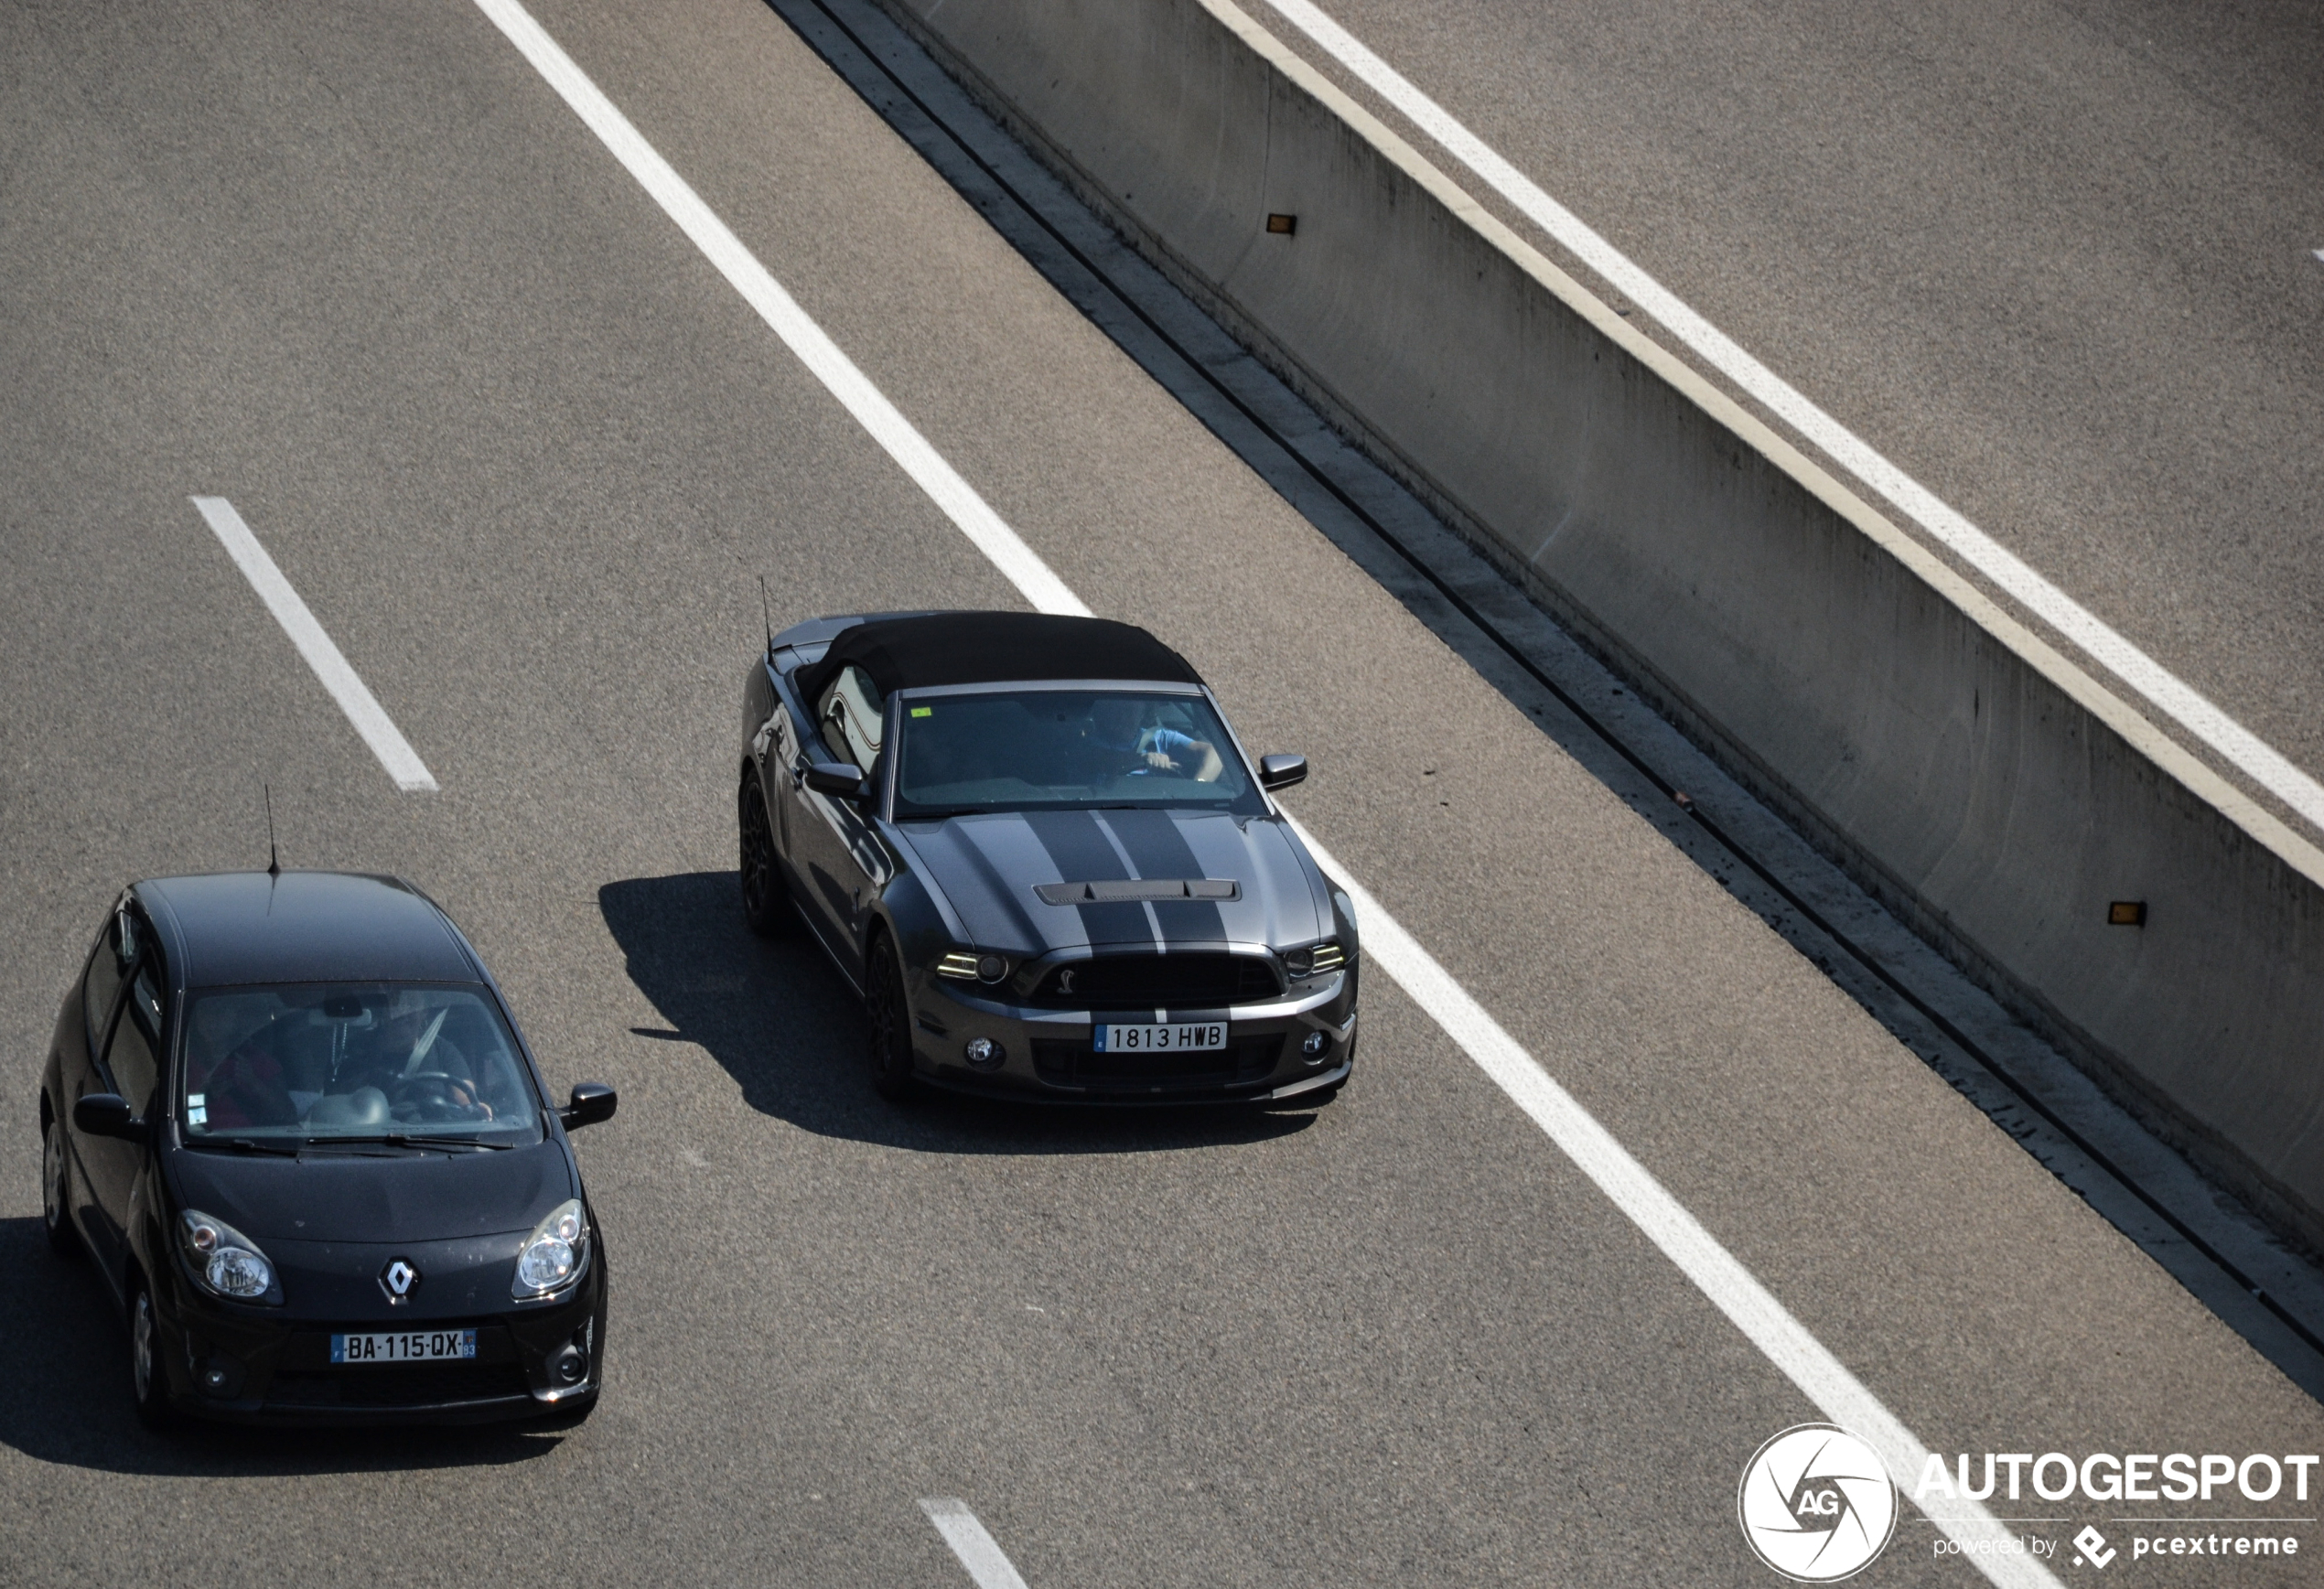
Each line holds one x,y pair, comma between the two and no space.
2219,1251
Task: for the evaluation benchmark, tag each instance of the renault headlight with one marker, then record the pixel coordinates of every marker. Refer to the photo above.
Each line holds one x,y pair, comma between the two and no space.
225,1262
553,1254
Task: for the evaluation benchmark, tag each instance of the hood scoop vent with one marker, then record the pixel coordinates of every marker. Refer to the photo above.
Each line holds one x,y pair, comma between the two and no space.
1134,890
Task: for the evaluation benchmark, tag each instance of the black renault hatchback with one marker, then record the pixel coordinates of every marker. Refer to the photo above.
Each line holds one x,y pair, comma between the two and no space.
290,1118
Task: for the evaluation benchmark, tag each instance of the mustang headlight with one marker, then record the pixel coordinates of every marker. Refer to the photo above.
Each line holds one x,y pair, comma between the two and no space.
968,965
554,1254
225,1262
1314,961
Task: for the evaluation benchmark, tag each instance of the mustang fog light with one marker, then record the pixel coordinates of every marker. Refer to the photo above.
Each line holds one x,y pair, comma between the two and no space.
984,1054
553,1255
224,1260
1313,1045
991,967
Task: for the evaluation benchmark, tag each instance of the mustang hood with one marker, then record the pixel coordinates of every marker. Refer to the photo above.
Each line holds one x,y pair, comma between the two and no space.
395,1197
1012,880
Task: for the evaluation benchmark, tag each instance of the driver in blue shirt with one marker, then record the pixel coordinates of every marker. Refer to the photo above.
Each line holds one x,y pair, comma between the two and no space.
1115,725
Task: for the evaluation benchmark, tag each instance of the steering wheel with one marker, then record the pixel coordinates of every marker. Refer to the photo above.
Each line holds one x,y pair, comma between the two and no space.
435,1093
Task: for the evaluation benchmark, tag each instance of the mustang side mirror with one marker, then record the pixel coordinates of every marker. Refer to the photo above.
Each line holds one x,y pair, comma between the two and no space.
1282,771
840,779
592,1102
108,1114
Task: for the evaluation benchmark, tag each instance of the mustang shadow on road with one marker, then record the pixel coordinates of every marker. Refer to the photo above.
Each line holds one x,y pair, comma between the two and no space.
782,1023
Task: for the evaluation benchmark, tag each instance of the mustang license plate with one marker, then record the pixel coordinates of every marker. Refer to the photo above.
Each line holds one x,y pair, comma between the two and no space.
1160,1040
408,1347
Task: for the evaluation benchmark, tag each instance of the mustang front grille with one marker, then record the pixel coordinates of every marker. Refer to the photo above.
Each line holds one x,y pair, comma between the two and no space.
1157,982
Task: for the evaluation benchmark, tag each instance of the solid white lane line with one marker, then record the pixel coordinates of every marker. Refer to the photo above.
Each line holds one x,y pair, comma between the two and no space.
976,1549
817,352
2239,746
1720,1276
363,708
1633,1190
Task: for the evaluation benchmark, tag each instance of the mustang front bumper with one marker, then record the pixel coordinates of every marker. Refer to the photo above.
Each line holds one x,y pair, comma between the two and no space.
1053,1056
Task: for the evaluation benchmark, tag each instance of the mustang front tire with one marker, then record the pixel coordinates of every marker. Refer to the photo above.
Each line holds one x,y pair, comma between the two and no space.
764,904
891,1022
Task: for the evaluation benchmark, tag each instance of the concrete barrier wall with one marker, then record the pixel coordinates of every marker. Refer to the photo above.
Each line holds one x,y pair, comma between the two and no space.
1974,779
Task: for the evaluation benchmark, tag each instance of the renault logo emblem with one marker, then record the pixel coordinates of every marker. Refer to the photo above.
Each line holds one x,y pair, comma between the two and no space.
399,1279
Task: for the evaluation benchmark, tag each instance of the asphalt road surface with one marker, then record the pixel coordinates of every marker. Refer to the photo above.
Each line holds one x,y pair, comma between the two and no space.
523,451
2057,262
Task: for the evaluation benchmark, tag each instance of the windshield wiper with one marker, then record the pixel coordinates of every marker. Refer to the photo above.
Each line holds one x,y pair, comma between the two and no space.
406,1139
241,1144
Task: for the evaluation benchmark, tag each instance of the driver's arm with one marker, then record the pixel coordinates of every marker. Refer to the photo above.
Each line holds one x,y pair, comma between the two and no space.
1212,765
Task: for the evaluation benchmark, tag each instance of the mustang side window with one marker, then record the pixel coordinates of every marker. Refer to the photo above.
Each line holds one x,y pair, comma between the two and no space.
853,715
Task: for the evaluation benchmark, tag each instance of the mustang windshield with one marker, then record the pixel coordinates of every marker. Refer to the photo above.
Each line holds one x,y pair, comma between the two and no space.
326,1061
1048,749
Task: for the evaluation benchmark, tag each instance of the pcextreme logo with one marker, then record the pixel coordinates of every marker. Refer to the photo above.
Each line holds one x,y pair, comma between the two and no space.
1816,1504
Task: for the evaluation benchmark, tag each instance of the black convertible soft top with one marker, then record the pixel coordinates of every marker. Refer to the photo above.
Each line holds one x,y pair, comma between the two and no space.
993,648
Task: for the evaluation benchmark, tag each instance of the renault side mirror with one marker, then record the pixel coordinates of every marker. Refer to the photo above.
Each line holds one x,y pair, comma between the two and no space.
840,779
108,1114
1282,771
592,1102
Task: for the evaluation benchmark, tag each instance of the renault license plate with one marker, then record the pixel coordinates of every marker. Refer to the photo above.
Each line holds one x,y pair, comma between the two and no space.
404,1347
1160,1040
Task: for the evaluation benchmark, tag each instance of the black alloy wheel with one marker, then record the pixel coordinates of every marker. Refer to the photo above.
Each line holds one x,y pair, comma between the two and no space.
55,1213
890,1052
764,904
148,1379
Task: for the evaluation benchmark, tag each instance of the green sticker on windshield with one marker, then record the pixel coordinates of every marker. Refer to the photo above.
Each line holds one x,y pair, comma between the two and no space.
923,711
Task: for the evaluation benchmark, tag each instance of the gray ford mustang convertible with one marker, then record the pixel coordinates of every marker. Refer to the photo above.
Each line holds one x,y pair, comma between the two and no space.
1033,845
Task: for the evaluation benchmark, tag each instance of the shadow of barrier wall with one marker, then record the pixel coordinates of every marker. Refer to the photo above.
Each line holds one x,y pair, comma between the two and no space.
1977,782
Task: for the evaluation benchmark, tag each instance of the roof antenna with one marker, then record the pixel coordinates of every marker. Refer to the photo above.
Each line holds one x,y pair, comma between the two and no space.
767,614
273,865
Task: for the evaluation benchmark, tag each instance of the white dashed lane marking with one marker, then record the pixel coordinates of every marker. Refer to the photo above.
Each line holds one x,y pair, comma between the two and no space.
354,697
977,1550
